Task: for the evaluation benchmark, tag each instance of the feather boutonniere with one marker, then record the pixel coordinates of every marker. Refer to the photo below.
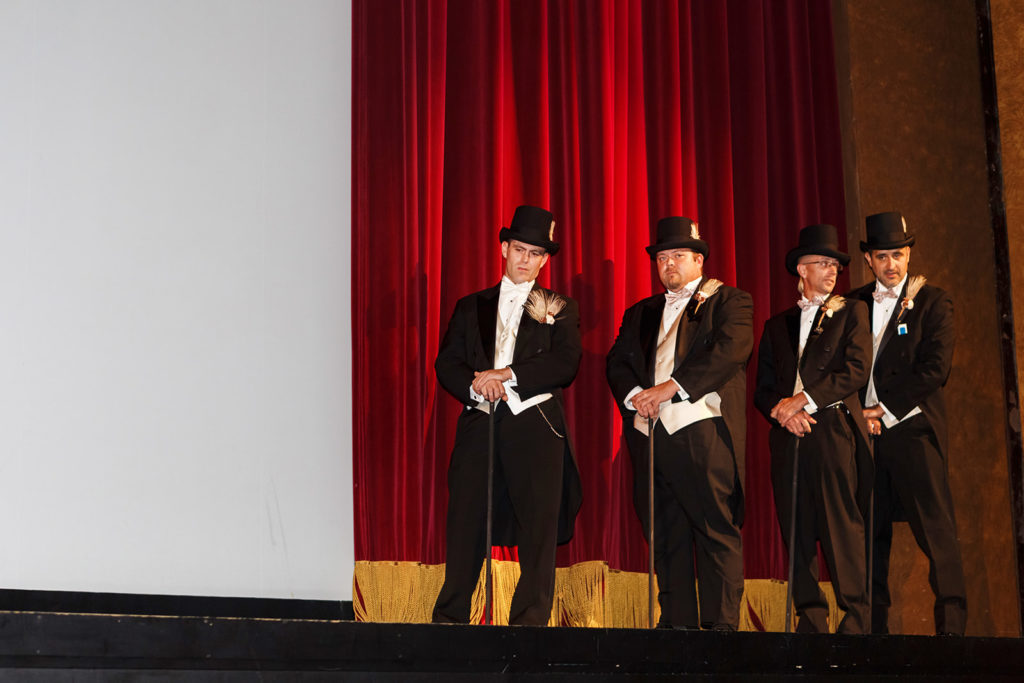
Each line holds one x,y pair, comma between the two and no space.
828,309
706,291
543,305
914,286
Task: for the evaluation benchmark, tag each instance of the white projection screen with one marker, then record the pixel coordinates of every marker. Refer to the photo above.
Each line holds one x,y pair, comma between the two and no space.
175,346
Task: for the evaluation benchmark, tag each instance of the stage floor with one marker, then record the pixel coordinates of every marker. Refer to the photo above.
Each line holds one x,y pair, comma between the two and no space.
77,647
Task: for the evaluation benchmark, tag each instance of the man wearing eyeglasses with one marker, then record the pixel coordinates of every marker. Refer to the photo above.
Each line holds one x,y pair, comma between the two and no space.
812,362
912,329
680,359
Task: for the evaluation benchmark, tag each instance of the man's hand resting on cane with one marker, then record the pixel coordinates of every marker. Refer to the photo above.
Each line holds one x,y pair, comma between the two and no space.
648,401
490,384
800,424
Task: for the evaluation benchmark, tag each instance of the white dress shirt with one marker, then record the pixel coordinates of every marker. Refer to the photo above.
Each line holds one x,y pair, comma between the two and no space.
881,314
675,416
511,299
808,316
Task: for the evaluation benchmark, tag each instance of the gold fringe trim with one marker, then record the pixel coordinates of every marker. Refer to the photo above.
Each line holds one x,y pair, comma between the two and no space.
506,576
396,591
765,602
580,595
627,599
588,594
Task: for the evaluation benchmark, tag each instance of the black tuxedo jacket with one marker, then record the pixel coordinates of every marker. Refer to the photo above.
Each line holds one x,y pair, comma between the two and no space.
545,360
911,369
834,367
713,346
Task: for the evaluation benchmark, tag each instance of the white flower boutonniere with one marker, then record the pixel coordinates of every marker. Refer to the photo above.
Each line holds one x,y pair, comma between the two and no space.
706,291
913,287
544,306
828,309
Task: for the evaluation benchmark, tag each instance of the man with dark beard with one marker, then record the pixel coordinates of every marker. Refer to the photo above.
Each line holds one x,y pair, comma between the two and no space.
912,329
680,359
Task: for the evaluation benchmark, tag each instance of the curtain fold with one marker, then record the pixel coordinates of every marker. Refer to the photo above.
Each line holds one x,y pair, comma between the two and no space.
611,113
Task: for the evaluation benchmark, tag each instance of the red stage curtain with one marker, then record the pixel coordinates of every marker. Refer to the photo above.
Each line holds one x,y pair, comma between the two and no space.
612,113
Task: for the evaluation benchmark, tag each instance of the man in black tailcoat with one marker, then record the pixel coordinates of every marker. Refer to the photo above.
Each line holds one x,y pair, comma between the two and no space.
680,358
812,362
912,329
518,344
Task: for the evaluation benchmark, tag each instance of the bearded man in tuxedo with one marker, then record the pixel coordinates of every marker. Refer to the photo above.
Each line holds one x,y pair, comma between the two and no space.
516,344
913,335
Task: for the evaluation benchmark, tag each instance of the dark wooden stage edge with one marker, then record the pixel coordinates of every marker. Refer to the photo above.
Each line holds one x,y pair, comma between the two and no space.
63,647
14,600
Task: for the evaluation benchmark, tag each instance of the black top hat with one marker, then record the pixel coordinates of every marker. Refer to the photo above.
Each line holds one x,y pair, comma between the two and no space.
816,239
886,231
532,225
677,232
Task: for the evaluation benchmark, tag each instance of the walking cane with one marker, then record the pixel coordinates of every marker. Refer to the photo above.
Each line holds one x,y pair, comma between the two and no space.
488,606
871,552
792,539
871,540
650,523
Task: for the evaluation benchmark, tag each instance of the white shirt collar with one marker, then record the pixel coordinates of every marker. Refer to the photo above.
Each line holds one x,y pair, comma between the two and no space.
523,288
692,287
879,287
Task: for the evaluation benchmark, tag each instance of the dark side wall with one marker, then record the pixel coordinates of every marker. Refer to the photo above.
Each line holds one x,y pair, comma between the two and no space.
1007,42
914,141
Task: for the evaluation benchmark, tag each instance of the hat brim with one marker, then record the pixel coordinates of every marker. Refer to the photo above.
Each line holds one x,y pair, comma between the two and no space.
699,246
794,255
898,244
506,235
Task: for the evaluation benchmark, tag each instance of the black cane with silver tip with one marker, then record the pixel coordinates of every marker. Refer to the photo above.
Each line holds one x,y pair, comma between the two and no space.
870,531
488,606
650,523
792,538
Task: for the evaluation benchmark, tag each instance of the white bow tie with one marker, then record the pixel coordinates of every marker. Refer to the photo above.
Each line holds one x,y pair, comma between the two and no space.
509,287
671,298
804,303
882,293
